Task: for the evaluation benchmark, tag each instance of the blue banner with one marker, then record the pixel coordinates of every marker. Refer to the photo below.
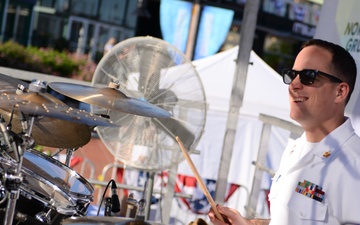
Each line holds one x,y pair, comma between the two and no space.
213,29
175,19
214,25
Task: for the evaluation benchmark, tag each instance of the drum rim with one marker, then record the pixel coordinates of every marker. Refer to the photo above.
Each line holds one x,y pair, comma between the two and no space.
73,173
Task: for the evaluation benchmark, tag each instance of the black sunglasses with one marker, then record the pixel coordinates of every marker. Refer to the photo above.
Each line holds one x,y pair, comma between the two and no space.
307,76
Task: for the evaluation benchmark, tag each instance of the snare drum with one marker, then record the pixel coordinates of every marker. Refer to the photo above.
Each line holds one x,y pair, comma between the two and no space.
49,187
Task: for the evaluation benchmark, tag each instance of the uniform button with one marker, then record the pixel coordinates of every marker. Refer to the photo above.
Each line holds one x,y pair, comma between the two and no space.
301,214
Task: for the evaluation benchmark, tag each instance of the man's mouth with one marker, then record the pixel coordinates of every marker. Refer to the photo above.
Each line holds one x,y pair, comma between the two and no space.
302,99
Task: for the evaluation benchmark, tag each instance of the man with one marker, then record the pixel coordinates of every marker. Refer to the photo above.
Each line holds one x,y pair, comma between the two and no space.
319,175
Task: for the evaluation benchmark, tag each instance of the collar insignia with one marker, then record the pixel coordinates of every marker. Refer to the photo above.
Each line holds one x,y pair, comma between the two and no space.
326,154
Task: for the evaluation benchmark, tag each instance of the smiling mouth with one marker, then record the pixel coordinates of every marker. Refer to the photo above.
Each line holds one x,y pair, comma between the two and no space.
300,99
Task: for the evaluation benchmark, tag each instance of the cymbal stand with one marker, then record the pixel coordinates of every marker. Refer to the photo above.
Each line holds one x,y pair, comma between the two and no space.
69,153
12,178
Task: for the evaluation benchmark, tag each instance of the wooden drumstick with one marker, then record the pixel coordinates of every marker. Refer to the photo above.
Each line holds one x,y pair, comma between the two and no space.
200,180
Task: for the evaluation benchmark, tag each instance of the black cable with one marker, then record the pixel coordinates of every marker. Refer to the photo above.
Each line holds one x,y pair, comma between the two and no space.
103,196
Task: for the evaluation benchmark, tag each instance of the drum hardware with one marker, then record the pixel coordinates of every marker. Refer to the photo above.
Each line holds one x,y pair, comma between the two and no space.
12,178
69,154
44,217
12,185
10,84
108,206
2,194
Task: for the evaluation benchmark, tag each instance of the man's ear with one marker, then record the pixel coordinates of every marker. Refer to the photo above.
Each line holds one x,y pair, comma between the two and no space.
342,92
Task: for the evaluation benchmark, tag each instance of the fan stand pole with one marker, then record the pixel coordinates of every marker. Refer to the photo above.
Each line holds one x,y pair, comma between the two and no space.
149,191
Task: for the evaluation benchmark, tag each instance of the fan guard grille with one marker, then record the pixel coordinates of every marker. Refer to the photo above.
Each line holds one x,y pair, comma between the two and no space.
150,69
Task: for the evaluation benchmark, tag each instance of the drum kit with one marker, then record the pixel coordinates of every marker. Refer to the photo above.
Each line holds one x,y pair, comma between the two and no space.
36,188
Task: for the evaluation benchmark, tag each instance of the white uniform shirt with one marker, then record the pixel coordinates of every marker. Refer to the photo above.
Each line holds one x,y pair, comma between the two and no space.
331,170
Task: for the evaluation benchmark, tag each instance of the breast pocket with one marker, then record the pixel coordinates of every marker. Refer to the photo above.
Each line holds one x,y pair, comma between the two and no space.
308,209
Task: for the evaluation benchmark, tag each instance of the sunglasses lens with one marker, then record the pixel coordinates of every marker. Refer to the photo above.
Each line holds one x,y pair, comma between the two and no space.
288,76
307,77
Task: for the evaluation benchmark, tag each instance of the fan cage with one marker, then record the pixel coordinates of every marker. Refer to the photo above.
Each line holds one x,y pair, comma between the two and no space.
152,70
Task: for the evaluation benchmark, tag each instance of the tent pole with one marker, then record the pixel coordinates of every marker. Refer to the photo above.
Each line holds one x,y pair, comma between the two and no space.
237,94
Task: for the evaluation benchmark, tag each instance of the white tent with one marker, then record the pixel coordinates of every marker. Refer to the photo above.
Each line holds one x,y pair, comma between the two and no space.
265,93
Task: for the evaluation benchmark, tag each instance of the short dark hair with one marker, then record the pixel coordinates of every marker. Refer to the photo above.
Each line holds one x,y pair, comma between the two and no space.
343,64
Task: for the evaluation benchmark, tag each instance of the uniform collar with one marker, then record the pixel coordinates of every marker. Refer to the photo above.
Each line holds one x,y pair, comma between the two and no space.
332,143
326,148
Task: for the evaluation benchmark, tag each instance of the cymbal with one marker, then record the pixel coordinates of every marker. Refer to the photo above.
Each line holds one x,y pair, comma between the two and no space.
10,84
38,98
50,109
109,98
52,132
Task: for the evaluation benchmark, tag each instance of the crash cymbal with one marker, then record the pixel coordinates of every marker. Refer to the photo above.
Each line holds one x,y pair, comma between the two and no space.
52,132
38,98
10,84
109,98
52,110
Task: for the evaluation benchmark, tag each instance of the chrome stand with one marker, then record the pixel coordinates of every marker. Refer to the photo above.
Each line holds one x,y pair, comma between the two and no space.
12,179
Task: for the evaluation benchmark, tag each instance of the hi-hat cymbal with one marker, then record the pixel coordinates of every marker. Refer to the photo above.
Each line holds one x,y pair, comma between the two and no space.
52,132
52,110
109,98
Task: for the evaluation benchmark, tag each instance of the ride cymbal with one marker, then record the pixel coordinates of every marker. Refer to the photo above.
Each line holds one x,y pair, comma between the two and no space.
109,98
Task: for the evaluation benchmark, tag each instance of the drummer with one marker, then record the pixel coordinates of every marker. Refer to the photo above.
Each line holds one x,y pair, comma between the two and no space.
319,174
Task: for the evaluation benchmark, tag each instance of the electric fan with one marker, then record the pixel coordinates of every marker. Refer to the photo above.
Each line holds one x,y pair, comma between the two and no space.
151,70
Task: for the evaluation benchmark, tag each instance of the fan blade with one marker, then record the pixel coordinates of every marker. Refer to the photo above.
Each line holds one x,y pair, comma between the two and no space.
175,128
